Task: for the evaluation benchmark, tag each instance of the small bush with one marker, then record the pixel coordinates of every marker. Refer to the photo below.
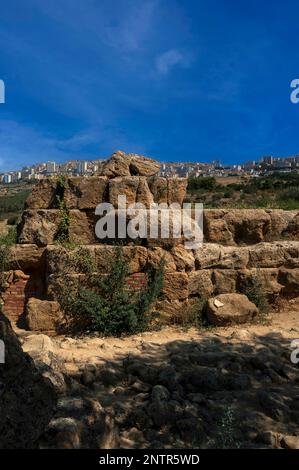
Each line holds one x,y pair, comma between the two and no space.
104,302
12,220
6,242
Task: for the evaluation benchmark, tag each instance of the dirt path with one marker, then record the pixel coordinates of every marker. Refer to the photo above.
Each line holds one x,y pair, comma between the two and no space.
224,387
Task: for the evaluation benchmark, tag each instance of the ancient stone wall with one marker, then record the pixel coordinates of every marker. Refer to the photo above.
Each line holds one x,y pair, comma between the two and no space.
240,246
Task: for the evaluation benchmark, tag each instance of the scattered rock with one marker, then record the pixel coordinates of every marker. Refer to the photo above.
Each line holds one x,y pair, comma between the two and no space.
236,309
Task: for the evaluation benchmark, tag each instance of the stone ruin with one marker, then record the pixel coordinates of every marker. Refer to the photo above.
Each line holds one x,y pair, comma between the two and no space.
239,245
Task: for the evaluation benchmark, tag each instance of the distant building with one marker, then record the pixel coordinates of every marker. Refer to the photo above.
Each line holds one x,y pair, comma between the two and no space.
82,167
51,167
6,178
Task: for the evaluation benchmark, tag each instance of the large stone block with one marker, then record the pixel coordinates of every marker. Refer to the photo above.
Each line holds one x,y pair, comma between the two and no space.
44,315
159,188
175,312
200,283
264,280
207,256
39,226
136,257
85,192
57,259
82,227
123,186
175,286
233,257
224,280
183,258
236,226
43,195
176,190
156,254
275,254
289,278
26,258
144,195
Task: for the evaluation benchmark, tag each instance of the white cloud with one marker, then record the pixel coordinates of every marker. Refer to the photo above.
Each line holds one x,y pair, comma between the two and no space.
167,60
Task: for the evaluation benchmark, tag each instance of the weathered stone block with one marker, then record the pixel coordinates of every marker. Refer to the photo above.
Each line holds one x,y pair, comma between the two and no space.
200,283
123,186
265,279
39,226
43,195
183,258
156,254
289,278
207,256
85,193
44,315
175,286
224,280
26,257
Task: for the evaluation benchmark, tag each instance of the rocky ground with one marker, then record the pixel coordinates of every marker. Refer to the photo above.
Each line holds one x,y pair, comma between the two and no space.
223,387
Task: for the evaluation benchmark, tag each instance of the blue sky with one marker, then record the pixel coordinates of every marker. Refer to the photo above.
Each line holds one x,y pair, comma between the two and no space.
190,80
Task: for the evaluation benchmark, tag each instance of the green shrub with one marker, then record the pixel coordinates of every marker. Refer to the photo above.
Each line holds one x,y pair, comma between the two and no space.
12,220
104,302
6,242
62,234
207,183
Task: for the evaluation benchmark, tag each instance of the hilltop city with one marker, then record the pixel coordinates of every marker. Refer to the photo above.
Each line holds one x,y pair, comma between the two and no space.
265,165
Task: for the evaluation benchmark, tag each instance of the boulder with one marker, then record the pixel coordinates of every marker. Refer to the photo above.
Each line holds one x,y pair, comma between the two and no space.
143,166
290,442
229,309
27,400
44,315
126,164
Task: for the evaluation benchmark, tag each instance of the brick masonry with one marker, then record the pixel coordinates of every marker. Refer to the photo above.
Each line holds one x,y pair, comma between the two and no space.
17,294
136,281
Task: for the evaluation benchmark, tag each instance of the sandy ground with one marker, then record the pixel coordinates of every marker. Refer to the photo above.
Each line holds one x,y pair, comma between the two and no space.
94,349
